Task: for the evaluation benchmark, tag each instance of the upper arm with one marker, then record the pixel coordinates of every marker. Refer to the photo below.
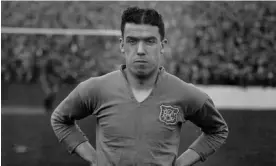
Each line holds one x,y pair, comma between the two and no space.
208,118
201,110
80,103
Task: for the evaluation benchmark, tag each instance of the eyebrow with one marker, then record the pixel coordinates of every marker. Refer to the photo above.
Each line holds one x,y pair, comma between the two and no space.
143,38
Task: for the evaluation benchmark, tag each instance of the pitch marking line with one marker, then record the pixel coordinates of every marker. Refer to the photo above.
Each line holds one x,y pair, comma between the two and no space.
10,110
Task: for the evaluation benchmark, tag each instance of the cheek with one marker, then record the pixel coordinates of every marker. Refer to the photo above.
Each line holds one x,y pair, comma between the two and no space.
155,54
129,54
129,51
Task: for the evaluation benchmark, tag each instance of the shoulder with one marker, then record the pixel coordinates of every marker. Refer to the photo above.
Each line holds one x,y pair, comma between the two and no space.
189,92
178,84
100,82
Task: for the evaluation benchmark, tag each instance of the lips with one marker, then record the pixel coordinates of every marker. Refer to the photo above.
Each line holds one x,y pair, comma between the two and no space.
140,61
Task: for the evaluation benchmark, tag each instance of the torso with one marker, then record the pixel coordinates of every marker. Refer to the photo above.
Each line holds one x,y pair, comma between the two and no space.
139,127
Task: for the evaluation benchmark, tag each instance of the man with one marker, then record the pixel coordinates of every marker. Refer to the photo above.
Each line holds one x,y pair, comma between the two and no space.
139,108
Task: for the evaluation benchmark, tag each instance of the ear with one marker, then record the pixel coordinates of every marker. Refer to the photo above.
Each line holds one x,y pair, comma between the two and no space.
165,41
122,45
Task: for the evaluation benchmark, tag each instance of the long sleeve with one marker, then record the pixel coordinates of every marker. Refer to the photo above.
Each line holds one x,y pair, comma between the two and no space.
214,128
79,104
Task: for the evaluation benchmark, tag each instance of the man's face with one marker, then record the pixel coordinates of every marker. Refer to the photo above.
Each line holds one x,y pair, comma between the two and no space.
142,47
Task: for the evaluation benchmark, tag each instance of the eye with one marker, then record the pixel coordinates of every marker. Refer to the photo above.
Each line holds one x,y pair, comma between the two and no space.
151,41
132,41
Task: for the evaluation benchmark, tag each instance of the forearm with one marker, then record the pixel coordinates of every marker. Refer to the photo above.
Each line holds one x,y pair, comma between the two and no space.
67,132
187,158
87,152
202,147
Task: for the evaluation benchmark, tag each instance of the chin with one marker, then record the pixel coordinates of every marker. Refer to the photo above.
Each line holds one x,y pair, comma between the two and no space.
143,73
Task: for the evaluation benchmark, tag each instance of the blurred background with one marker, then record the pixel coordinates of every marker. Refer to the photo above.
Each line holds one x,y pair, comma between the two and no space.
210,44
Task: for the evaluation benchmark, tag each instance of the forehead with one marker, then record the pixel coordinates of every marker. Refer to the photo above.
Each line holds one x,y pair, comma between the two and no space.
141,30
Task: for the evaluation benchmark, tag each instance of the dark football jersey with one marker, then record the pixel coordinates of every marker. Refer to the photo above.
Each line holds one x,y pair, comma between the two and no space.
139,133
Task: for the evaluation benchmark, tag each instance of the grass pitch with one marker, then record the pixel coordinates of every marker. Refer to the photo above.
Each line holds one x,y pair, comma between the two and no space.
28,140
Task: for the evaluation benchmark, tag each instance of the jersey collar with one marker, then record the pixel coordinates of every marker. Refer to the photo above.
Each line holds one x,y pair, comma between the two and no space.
158,80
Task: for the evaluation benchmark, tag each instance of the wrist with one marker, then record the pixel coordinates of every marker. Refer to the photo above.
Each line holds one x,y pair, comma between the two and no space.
93,164
188,158
179,163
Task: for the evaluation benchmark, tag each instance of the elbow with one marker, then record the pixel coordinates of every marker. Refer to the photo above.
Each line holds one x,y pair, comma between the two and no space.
222,135
222,131
57,121
225,131
58,125
54,120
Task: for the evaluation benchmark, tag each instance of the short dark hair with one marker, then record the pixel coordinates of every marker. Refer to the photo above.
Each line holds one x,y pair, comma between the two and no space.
148,16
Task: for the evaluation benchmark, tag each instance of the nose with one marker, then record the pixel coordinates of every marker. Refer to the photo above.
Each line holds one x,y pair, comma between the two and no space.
140,49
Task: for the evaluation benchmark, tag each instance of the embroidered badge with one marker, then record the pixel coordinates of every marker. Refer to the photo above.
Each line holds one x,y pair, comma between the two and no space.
168,114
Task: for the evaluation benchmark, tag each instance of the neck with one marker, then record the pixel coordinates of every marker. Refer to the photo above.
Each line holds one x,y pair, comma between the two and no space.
142,83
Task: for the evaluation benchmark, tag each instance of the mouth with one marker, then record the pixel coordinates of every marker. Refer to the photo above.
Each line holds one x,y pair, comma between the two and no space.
140,61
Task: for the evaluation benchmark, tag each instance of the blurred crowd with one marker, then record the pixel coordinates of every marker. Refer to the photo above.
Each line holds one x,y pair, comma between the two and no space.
226,43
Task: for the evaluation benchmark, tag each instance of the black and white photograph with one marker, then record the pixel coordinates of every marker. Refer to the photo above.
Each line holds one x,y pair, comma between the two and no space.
138,83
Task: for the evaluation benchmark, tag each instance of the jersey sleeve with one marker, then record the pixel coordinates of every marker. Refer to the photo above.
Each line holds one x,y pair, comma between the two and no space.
213,126
80,103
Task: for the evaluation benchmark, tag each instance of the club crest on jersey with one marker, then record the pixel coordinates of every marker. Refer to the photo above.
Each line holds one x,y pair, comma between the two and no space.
168,114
